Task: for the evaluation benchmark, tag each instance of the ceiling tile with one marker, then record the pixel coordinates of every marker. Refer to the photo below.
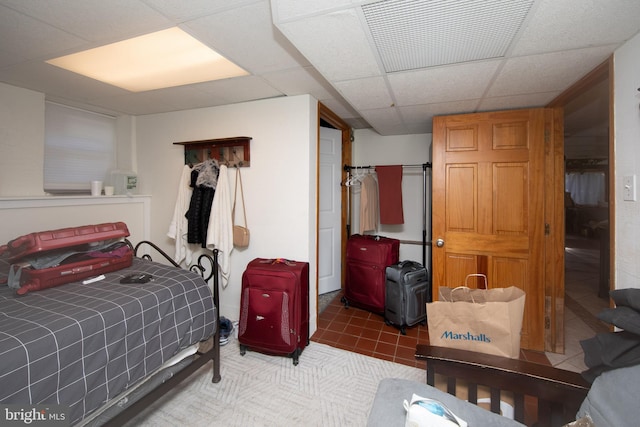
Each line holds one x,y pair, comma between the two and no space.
336,45
440,84
299,81
357,123
547,72
383,119
95,20
285,10
241,89
425,112
571,24
345,112
367,93
9,58
157,101
50,80
261,50
517,101
176,10
24,37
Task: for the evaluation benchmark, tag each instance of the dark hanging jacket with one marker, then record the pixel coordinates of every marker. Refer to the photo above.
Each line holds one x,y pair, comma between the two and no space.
204,178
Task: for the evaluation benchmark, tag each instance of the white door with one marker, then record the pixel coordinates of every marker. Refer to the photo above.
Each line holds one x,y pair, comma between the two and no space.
330,210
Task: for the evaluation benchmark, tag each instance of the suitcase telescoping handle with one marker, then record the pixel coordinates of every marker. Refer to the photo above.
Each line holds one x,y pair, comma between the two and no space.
273,261
410,262
369,236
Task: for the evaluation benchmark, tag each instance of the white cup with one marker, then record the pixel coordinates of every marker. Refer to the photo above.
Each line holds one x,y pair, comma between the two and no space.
108,190
96,188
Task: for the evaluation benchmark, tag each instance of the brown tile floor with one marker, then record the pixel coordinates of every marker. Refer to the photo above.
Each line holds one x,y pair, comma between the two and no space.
360,331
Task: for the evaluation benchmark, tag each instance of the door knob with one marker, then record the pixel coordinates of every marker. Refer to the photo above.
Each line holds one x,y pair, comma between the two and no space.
439,243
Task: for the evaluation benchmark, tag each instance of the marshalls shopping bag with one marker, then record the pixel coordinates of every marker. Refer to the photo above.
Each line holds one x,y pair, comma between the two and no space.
482,320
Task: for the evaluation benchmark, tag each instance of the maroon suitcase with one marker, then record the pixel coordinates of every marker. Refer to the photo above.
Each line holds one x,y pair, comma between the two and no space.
50,240
74,252
367,260
274,307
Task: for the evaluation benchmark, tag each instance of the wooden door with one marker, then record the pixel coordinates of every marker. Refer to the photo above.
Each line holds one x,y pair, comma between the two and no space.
488,206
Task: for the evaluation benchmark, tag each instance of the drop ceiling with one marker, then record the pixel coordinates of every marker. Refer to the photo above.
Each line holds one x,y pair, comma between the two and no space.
389,65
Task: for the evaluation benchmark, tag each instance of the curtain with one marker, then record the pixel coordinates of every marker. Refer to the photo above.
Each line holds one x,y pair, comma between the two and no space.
586,188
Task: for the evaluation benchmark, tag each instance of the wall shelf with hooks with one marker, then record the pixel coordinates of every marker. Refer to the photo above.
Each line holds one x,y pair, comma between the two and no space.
234,151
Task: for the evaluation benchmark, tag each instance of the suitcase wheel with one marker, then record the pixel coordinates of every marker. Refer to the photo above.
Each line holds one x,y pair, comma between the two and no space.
243,350
296,355
344,301
402,329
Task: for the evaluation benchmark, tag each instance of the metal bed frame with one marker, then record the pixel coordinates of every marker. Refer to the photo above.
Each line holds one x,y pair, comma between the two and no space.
204,263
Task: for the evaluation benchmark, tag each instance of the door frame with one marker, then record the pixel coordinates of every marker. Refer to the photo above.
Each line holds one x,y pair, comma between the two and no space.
324,113
555,336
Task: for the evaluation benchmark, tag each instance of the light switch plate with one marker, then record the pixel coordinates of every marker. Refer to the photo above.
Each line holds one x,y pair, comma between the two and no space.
629,188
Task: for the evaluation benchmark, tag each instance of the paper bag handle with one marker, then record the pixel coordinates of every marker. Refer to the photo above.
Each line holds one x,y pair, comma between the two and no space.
486,283
460,287
466,279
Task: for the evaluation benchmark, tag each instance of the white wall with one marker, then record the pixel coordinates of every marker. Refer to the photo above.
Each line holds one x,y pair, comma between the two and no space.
21,141
627,162
370,148
24,207
279,185
27,215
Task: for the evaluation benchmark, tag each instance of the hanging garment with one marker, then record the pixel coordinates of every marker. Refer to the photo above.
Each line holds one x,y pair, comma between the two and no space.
208,172
178,225
220,233
204,178
390,186
368,204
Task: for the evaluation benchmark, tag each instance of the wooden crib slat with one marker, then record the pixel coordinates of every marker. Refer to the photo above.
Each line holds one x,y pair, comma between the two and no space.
522,378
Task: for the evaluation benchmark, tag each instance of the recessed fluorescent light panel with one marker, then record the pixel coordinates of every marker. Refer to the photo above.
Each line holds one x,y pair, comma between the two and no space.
158,60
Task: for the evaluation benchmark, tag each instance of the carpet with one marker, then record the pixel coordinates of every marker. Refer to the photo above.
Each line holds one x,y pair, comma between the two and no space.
329,387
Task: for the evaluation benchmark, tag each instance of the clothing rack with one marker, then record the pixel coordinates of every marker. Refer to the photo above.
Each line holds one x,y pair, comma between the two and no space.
424,167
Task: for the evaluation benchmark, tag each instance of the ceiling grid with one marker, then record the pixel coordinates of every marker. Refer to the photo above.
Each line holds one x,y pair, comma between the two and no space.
392,70
413,34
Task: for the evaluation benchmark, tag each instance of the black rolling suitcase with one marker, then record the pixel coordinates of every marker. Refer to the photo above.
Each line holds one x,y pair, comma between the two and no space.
406,295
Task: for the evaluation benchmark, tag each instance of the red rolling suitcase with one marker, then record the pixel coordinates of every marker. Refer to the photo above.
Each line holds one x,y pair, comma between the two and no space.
367,260
63,238
51,258
274,307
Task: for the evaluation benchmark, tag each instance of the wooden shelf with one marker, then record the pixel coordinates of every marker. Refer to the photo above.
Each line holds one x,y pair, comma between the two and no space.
234,151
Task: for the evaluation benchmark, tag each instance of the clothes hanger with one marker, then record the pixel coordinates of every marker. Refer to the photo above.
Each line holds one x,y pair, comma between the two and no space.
348,181
355,178
360,174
